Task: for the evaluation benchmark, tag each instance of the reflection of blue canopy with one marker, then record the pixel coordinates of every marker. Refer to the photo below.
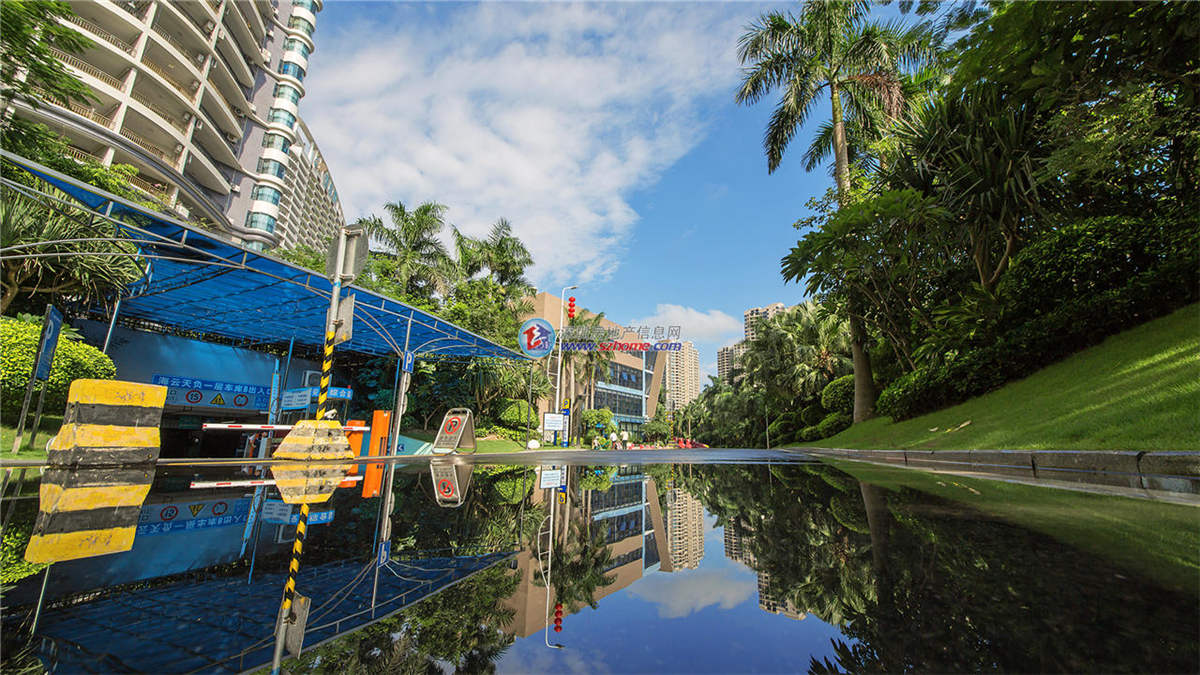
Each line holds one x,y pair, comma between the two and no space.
197,282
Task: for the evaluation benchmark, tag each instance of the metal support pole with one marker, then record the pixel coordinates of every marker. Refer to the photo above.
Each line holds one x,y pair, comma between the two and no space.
289,590
388,502
549,568
111,323
529,415
37,613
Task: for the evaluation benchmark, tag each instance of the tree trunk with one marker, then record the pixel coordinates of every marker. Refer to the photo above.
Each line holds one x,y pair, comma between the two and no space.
878,520
864,381
841,160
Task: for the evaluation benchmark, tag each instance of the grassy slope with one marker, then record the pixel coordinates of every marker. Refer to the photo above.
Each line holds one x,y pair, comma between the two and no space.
1139,390
49,427
1157,540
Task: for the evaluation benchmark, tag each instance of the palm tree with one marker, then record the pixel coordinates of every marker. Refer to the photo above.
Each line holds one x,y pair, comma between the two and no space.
829,45
411,239
505,257
579,567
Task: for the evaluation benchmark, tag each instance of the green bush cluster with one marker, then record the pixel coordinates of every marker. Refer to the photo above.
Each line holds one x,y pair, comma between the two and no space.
13,566
812,415
809,433
72,360
834,423
517,414
1091,306
838,396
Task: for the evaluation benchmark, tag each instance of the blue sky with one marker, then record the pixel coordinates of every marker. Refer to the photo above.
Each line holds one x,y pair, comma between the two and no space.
705,620
606,133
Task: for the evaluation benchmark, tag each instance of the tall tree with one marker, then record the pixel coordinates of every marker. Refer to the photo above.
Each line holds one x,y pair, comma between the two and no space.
830,46
411,237
29,70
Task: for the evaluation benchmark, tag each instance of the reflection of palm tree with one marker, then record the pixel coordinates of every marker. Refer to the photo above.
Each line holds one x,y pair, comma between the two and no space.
579,567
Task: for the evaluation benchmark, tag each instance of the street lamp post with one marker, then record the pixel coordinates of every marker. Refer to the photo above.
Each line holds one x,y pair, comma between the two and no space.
562,310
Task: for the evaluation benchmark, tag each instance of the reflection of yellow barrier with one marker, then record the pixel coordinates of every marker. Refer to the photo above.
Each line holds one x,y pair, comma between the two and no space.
101,467
309,441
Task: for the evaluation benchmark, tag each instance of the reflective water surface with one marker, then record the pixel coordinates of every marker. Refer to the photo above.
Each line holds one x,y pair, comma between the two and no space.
803,566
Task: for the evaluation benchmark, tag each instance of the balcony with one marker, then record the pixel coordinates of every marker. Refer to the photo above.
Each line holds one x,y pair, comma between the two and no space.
171,158
101,33
158,192
189,96
136,9
234,61
87,68
83,155
179,124
216,108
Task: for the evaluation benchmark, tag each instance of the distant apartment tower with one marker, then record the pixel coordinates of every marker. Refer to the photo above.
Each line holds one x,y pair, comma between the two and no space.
769,601
752,317
683,376
685,529
727,360
201,97
735,543
309,211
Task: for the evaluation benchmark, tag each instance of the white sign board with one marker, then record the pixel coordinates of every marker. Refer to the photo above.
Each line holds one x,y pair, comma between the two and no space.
551,478
276,511
553,422
295,399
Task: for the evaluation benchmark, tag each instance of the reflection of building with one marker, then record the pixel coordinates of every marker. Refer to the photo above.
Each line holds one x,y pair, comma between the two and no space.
631,519
685,531
736,535
628,385
683,376
752,317
769,602
727,360
201,97
735,548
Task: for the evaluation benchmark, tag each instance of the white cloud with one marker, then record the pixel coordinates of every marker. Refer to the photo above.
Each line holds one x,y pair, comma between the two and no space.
547,114
694,324
681,593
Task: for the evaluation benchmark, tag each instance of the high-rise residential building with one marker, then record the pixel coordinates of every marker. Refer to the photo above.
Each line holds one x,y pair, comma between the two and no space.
683,376
727,360
309,212
201,97
752,316
735,545
769,600
685,529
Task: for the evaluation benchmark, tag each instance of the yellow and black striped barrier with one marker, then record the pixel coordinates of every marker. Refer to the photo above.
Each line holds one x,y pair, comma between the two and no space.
101,467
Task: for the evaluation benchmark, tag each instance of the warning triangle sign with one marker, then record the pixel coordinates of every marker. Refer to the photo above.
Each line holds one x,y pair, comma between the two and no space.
195,508
217,400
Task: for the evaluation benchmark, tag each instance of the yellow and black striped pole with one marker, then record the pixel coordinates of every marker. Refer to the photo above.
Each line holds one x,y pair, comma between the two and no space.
312,441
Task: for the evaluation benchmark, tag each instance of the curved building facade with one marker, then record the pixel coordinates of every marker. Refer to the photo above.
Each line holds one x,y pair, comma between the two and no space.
201,97
309,211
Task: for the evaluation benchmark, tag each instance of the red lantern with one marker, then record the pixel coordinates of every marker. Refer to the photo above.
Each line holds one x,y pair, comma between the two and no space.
571,307
558,629
558,613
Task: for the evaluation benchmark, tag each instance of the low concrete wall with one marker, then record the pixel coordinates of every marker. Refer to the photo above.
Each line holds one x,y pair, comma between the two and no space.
1167,471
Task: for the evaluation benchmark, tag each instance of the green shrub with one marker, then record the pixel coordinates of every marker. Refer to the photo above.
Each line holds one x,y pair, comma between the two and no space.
72,360
834,423
517,414
812,415
810,433
13,566
597,478
512,488
838,396
1043,339
848,510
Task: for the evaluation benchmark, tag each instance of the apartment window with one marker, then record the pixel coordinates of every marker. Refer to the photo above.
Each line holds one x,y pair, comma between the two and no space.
260,221
287,92
277,115
276,141
271,168
297,45
302,25
306,4
293,69
265,193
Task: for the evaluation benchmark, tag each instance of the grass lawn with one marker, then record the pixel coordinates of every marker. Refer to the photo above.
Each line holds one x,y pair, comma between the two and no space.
486,445
1139,390
49,427
1156,540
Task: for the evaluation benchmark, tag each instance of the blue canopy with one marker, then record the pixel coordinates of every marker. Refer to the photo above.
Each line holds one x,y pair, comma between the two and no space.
198,282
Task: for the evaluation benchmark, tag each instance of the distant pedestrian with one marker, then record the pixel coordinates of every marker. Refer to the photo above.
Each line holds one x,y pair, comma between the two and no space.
596,442
612,441
624,439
